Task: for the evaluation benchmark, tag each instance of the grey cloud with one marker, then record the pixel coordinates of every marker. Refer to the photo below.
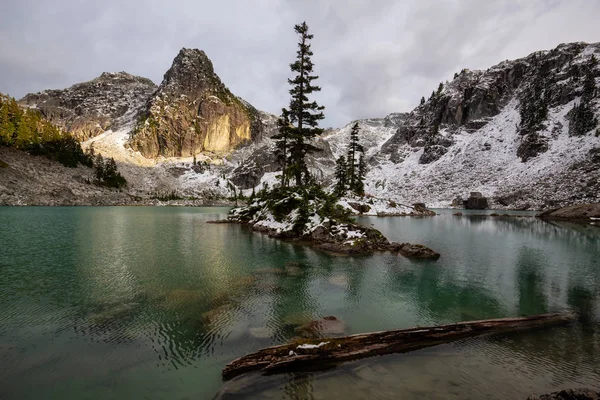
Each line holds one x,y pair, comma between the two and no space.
373,57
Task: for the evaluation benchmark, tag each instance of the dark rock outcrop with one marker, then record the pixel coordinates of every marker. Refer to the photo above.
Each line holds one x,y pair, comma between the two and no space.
531,146
577,212
418,251
360,207
473,98
193,111
476,201
569,394
87,109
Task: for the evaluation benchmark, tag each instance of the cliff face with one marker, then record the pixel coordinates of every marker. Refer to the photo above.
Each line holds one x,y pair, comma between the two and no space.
515,132
470,101
193,111
88,109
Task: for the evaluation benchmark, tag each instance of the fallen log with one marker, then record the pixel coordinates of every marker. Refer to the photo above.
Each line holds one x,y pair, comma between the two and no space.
323,353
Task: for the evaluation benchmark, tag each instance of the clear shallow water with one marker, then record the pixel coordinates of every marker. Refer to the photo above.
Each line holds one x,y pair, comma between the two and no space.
139,302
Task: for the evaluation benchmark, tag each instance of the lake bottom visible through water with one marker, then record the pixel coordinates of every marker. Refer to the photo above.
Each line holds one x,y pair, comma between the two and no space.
152,302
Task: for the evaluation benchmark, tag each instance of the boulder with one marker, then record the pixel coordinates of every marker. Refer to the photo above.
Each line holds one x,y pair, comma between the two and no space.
421,209
419,251
569,394
476,201
458,202
360,207
575,212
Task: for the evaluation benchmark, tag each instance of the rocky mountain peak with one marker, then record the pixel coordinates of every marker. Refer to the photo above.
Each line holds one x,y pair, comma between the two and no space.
473,98
191,72
88,109
193,111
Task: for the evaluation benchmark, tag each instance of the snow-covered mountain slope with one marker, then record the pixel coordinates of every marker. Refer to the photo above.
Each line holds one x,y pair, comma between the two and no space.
486,161
467,135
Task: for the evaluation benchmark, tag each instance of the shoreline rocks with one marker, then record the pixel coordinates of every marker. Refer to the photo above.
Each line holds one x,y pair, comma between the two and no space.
579,212
417,251
476,201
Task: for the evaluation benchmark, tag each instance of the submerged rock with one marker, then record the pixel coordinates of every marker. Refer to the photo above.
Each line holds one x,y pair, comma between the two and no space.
569,394
212,316
262,332
339,280
324,327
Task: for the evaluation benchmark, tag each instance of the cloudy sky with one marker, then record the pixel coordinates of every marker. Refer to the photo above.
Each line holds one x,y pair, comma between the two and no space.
373,57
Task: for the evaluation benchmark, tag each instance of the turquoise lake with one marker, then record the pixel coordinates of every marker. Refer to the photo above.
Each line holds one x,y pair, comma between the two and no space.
152,302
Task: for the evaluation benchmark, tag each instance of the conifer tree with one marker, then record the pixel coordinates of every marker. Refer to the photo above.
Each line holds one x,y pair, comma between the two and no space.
440,89
303,115
354,148
362,174
341,169
282,143
99,168
422,100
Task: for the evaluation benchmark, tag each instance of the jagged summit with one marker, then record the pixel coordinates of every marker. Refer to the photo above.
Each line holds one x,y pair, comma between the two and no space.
192,71
193,111
89,108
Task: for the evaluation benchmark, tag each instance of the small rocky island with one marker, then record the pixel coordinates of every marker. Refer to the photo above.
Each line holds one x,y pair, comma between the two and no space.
310,215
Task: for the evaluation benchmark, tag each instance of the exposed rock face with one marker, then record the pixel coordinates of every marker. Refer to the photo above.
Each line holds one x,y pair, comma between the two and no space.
476,201
88,109
468,134
193,111
576,212
418,251
472,98
569,394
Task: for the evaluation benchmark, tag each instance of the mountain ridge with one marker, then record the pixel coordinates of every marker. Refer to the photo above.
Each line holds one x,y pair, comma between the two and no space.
468,136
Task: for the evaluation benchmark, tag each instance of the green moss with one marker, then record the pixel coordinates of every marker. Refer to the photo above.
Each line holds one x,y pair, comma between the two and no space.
3,164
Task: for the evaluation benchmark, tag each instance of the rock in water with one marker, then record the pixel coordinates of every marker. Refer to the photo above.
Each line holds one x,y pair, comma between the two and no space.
419,251
569,394
193,111
476,202
576,212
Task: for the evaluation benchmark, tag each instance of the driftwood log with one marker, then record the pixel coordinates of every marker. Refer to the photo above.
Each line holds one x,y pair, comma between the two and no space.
323,353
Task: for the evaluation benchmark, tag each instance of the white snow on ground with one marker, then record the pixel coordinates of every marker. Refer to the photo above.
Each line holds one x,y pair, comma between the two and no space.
373,133
377,206
311,346
469,167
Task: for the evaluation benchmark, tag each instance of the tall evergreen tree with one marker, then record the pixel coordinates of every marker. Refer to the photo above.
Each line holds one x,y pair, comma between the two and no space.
362,174
440,89
99,168
303,115
341,169
354,148
282,144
